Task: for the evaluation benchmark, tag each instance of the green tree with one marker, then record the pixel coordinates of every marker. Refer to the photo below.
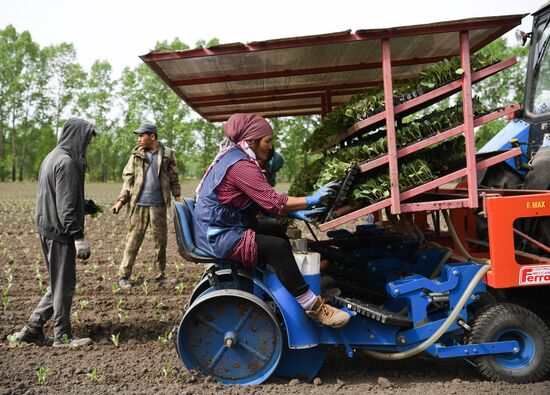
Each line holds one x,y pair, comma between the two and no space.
290,135
66,79
95,102
503,88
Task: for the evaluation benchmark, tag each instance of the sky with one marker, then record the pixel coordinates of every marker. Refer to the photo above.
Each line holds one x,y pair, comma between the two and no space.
120,30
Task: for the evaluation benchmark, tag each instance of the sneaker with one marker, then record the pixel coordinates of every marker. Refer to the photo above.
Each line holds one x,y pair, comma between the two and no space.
125,283
161,279
35,336
72,341
328,315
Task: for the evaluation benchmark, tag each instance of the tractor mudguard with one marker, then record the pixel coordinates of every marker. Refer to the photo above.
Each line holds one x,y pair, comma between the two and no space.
515,129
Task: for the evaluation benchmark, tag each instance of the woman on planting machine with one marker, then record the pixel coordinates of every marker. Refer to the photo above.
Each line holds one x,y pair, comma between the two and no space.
232,193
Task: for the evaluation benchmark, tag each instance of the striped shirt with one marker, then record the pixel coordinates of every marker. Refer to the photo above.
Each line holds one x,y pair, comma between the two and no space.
244,181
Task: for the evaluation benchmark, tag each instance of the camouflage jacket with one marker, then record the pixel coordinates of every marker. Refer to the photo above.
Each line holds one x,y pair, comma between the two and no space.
136,168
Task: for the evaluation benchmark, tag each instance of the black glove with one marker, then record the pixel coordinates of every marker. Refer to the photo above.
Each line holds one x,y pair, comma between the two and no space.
90,208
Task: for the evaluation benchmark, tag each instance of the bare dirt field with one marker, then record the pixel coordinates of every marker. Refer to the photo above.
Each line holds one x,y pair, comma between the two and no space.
145,361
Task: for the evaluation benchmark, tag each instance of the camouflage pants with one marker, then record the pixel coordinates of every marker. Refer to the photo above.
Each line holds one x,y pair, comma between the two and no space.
139,222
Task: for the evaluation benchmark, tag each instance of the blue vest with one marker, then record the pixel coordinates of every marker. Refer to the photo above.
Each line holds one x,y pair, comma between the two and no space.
218,227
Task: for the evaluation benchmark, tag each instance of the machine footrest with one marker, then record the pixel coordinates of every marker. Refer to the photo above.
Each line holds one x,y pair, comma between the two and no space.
368,310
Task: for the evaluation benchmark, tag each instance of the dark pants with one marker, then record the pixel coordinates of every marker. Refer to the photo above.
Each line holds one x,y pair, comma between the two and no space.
275,250
57,301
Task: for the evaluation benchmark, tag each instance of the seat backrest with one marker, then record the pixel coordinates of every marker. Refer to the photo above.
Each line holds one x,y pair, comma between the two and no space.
183,223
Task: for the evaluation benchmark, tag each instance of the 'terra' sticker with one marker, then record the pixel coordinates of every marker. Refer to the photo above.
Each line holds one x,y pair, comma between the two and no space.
531,275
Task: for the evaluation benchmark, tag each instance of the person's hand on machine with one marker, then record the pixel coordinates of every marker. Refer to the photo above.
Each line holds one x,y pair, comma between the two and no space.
304,215
328,189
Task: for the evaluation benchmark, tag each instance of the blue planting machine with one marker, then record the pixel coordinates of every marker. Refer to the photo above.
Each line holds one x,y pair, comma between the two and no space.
242,326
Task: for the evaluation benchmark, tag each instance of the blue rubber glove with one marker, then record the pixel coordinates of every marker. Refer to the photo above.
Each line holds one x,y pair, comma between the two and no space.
304,214
326,190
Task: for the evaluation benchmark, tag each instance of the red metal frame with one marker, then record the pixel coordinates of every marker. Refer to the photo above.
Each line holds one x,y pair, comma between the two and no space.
506,271
411,105
422,189
390,126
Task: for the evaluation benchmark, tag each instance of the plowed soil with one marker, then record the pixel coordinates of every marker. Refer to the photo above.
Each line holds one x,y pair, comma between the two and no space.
145,360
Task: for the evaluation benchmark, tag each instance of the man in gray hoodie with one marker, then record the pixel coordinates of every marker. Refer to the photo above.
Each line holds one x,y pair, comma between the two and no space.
60,225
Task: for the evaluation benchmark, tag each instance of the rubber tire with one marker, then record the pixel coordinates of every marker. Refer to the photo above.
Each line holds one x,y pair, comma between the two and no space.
491,320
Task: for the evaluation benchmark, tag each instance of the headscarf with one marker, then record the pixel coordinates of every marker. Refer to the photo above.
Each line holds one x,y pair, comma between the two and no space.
238,129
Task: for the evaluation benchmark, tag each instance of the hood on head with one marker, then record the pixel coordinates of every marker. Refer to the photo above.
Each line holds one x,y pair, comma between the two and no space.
75,137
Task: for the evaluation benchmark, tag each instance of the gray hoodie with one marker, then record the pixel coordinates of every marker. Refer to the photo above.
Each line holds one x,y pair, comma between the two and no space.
60,188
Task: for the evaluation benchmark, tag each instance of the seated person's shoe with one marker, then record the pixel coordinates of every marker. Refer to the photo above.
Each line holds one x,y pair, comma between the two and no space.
34,336
125,283
328,315
72,341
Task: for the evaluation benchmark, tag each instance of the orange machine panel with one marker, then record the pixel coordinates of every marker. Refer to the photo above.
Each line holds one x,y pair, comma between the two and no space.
510,268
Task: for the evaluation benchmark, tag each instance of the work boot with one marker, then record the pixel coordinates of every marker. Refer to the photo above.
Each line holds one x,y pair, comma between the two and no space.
72,341
125,283
35,336
328,315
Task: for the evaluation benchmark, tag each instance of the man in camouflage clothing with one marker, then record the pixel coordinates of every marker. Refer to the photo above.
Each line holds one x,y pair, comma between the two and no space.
150,179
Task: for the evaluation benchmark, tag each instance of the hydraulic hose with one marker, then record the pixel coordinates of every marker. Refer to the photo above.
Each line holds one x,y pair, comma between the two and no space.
441,330
457,241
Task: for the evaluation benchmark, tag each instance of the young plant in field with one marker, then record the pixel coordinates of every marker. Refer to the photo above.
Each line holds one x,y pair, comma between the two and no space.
161,317
93,375
115,287
105,277
122,315
119,302
43,373
75,317
167,369
13,342
115,339
163,339
145,287
83,304
149,268
180,287
5,303
65,339
177,266
159,304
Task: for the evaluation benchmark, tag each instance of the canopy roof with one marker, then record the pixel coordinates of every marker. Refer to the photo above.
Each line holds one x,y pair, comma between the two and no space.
311,74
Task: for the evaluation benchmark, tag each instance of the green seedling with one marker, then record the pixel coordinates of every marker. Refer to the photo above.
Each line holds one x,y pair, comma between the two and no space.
115,339
43,373
115,288
177,266
122,315
162,317
13,342
149,268
159,304
105,277
93,375
119,302
5,303
6,289
167,369
180,287
163,339
75,317
145,287
83,304
65,339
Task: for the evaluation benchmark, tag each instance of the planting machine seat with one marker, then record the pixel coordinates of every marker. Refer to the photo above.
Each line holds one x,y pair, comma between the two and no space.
409,287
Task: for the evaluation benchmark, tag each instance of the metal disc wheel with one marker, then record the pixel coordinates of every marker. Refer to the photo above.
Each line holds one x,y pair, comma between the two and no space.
505,322
232,336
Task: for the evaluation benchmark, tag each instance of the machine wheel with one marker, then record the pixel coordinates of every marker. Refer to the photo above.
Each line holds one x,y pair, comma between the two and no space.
232,336
507,321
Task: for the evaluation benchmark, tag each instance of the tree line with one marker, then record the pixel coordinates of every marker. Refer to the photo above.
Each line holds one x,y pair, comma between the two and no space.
40,87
